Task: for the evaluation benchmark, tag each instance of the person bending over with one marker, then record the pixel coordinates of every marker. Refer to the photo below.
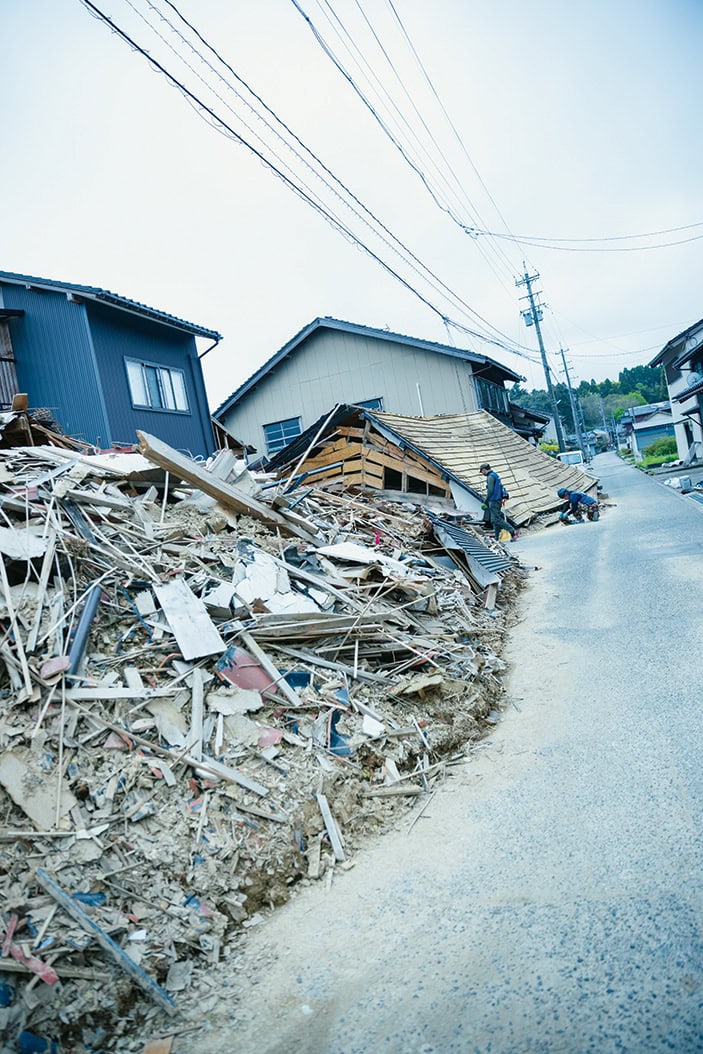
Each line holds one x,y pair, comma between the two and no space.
573,502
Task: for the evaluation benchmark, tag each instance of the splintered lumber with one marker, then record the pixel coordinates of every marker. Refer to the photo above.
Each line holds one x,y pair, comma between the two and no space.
34,965
24,666
208,765
394,792
331,828
73,908
187,616
83,972
184,468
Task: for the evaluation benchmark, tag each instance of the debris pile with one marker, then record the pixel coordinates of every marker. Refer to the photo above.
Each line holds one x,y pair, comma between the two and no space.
209,692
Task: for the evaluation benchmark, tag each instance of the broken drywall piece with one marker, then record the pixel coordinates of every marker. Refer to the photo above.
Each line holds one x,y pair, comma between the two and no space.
190,623
234,700
23,545
33,791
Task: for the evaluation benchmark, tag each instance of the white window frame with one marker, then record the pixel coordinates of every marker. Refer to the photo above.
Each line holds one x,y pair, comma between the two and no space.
366,403
170,382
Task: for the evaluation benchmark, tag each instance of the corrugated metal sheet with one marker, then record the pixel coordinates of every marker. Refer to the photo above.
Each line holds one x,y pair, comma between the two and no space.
8,372
453,537
55,362
117,337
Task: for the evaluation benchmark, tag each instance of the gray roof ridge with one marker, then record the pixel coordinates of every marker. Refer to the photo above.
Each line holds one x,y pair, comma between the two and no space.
105,296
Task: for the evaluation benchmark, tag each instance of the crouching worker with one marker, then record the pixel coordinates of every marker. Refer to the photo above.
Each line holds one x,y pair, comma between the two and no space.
574,503
495,492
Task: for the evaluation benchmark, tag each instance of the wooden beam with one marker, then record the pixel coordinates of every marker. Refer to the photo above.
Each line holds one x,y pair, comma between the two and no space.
88,925
184,468
415,470
329,457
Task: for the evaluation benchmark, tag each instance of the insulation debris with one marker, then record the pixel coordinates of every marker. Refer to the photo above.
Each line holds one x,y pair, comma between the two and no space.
207,697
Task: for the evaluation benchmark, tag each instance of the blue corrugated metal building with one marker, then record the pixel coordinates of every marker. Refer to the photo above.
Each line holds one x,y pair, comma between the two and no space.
103,364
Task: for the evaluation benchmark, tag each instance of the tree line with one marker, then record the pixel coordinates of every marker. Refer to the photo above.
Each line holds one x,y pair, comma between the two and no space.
598,400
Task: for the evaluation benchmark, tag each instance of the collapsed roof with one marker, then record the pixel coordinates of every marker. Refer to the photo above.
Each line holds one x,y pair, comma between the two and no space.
437,456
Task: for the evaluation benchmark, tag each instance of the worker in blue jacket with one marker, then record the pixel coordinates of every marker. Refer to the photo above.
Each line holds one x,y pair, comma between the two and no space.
573,500
495,492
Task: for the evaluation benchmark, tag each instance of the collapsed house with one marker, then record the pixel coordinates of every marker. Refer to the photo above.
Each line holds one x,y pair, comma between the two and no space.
432,458
211,691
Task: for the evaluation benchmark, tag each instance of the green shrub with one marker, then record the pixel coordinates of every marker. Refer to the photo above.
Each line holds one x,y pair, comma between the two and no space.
664,448
549,448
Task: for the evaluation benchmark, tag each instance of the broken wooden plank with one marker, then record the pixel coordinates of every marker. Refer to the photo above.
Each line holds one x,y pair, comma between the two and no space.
327,664
111,692
24,666
314,851
82,972
73,908
331,828
34,965
41,591
194,630
207,765
184,468
397,791
196,714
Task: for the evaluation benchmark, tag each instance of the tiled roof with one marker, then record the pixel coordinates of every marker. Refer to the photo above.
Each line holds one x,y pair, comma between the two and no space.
459,443
104,296
671,344
693,389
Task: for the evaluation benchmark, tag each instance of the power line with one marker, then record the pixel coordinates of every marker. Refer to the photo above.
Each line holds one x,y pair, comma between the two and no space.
451,124
468,228
203,109
458,300
602,238
434,283
585,248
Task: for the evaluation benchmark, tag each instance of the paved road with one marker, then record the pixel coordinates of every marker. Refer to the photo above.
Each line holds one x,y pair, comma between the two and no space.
552,901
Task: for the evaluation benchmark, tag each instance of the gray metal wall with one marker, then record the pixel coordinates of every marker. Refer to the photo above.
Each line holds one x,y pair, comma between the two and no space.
337,367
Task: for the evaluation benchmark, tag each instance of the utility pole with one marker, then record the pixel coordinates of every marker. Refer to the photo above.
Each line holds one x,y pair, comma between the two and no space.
611,429
574,409
533,316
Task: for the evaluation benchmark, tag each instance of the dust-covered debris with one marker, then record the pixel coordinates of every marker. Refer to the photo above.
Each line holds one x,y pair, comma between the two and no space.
209,696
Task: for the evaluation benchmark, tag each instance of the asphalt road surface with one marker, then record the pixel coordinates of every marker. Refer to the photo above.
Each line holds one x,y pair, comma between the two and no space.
550,897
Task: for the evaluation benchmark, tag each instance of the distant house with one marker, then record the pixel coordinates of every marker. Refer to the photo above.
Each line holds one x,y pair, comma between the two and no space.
331,362
643,425
433,461
103,364
682,359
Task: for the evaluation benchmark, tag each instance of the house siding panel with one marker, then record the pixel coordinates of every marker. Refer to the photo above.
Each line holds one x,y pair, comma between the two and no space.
55,364
118,336
335,366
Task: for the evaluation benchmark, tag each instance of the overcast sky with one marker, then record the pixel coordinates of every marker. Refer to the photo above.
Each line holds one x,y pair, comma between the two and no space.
572,121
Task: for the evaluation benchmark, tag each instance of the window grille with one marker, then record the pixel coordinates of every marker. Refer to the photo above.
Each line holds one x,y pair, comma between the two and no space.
279,433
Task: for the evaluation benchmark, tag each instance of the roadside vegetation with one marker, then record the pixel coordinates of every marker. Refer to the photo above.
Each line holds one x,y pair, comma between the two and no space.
599,400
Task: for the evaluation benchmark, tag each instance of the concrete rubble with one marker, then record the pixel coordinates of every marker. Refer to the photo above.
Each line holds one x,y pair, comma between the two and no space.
209,693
